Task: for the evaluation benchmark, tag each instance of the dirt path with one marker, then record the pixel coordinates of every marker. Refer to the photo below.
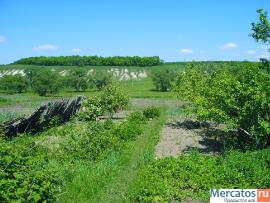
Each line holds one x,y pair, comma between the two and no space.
186,134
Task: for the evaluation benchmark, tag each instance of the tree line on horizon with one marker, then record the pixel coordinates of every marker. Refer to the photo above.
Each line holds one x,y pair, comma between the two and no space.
91,61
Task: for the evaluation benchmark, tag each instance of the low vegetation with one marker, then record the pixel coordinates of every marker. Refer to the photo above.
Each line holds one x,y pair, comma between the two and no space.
164,80
172,180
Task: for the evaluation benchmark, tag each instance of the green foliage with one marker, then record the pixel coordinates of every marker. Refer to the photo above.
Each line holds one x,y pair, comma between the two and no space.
261,30
240,98
131,128
23,175
46,82
14,84
79,80
3,100
137,117
261,33
111,99
173,180
151,112
102,79
92,109
164,80
91,61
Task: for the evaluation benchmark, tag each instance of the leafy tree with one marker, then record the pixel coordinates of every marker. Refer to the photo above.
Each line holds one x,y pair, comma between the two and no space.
14,83
261,33
261,30
111,99
102,79
46,82
79,80
239,98
164,80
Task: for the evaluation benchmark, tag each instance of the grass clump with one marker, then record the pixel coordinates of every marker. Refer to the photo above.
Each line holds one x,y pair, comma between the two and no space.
151,112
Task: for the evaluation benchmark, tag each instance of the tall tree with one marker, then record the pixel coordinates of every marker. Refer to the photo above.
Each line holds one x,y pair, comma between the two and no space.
261,33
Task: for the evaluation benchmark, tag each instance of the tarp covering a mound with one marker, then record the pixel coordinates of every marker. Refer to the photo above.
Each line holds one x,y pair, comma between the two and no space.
49,114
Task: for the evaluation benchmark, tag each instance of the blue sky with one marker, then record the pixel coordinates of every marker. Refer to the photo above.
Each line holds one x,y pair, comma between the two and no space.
175,30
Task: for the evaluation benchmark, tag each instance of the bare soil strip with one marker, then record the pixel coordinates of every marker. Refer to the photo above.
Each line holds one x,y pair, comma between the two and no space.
185,135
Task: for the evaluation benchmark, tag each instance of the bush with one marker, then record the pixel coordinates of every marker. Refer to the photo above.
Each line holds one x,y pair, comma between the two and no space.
79,80
240,98
46,82
137,117
111,99
14,84
102,79
131,128
164,80
128,131
23,177
175,180
151,112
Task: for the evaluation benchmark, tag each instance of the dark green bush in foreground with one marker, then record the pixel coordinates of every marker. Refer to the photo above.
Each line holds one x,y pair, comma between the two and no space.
24,175
170,179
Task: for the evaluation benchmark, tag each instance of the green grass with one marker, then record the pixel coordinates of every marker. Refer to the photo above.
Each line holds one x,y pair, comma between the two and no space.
111,179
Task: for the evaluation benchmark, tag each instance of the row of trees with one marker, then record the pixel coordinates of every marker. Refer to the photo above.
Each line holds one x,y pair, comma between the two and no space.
91,61
47,82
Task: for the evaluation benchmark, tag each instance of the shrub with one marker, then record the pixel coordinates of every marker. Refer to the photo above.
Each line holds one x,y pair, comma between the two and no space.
23,177
14,84
111,99
240,98
128,130
137,117
79,80
102,79
164,80
175,180
92,109
151,112
46,82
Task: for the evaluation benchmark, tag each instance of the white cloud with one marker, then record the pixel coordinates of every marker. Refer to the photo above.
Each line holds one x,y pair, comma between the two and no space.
264,56
2,39
265,47
186,51
251,52
76,50
45,47
228,46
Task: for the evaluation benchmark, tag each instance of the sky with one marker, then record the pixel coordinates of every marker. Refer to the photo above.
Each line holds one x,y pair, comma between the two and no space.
175,30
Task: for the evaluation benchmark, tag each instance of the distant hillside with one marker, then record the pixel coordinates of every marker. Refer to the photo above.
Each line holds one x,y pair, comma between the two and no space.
124,72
